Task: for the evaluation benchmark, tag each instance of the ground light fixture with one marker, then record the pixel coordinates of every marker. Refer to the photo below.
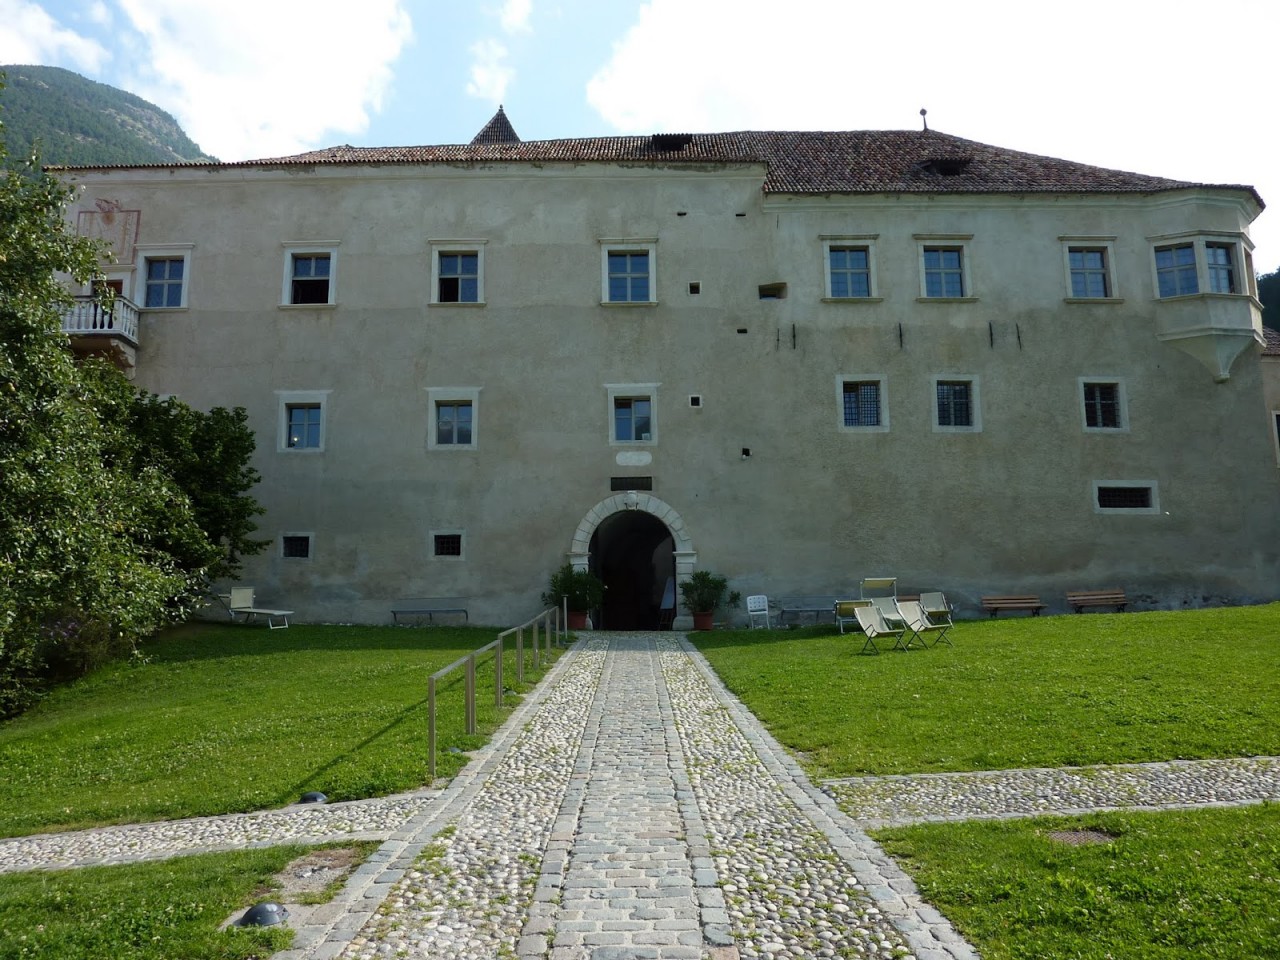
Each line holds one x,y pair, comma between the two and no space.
314,796
263,915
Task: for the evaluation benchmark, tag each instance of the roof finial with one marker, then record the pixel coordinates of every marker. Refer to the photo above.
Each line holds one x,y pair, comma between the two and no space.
924,118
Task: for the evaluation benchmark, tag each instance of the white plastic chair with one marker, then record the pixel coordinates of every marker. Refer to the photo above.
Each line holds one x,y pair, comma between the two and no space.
757,606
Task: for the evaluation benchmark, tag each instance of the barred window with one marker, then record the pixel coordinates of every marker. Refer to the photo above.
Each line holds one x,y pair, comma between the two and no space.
862,403
1102,405
1124,498
448,544
955,403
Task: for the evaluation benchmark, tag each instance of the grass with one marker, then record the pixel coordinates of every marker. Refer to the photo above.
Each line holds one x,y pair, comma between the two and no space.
144,911
1017,692
1200,883
222,718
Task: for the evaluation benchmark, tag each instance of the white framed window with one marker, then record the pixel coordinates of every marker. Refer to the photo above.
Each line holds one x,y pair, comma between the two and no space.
453,419
861,403
457,271
944,267
163,271
1275,432
956,404
1126,497
448,544
633,414
296,546
310,274
1104,407
1089,270
849,268
629,271
1188,264
302,420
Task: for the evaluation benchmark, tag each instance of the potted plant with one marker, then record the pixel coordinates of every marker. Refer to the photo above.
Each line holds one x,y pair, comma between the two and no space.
703,592
584,591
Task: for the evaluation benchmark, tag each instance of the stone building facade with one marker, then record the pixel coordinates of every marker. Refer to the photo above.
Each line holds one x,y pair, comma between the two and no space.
796,359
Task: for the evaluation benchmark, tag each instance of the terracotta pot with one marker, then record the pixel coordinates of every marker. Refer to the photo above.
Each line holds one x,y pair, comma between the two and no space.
702,621
577,619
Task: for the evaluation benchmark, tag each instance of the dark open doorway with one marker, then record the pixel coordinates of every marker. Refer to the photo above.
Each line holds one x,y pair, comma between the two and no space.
633,554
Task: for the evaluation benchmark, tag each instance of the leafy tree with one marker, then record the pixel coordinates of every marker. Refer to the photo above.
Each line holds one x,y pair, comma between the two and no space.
100,543
1269,294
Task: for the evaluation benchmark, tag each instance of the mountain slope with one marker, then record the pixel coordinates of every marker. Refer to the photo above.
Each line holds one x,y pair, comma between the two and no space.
81,122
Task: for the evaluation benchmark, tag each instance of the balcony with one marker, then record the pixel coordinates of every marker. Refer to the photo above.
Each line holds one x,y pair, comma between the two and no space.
1215,328
99,331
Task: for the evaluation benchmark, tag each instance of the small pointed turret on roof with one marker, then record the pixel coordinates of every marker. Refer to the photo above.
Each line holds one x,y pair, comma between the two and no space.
497,130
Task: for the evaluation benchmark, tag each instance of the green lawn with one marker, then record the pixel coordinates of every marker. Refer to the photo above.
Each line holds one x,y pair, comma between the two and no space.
1017,691
1171,885
143,911
224,718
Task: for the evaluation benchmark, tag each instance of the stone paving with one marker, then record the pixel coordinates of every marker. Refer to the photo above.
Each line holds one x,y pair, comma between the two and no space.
633,808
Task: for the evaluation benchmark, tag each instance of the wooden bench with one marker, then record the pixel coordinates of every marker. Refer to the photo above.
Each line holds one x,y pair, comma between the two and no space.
994,605
1079,599
428,607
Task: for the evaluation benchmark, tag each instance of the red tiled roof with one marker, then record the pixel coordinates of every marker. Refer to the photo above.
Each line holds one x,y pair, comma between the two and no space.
497,130
860,161
1272,347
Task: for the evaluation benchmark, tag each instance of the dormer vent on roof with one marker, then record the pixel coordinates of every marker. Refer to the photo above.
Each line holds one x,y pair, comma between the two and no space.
945,166
670,142
497,130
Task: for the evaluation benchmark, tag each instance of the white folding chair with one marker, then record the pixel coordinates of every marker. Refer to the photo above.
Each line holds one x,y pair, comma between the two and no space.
873,626
757,606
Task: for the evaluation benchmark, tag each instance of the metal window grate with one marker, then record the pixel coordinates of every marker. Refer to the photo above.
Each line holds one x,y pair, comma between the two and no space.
862,404
631,483
295,547
1102,405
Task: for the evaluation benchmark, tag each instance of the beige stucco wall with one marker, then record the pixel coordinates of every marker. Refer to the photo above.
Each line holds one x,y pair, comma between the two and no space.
814,507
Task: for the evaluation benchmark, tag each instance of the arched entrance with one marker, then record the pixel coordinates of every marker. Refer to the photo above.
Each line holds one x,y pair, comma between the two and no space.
635,543
633,553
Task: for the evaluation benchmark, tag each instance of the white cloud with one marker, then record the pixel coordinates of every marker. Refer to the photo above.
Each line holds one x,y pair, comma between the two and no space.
99,13
28,35
1123,85
490,73
515,16
248,79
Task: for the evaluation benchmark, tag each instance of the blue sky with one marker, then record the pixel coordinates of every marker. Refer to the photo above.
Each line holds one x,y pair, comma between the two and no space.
1166,87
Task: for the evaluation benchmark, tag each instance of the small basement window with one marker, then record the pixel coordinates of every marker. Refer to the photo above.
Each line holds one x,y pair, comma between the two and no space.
773,291
448,544
1126,498
630,483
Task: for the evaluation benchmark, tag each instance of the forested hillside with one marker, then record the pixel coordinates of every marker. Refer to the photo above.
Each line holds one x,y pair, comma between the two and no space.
81,122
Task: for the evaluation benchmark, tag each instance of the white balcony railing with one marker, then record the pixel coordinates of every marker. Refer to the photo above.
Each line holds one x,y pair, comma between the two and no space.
88,318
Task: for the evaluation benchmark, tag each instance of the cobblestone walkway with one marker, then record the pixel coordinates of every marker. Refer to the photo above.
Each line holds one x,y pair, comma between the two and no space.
633,808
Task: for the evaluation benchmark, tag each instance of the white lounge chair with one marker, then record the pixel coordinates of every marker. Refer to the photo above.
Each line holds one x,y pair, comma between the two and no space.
242,601
919,623
894,618
938,612
873,626
757,606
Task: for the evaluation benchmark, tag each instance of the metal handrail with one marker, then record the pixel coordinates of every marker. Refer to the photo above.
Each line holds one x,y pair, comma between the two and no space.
551,625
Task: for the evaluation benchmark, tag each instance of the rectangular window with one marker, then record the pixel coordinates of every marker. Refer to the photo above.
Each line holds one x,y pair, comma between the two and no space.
310,273
955,403
447,544
459,278
630,483
1275,415
944,272
861,403
628,277
1102,408
1124,498
632,419
1222,274
304,420
453,423
1089,279
850,272
164,283
1176,270
629,271
295,546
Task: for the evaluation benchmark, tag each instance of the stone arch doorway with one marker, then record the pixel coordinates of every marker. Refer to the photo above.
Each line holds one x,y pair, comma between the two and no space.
635,543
